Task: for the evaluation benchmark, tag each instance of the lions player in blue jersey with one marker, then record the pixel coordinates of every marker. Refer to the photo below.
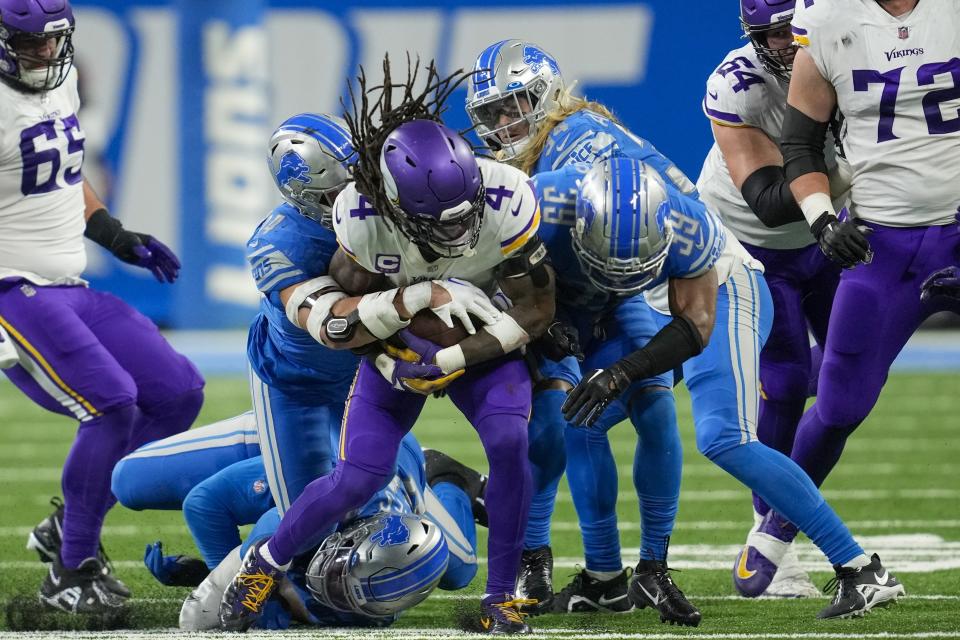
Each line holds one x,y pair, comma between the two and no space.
217,474
523,110
635,234
298,386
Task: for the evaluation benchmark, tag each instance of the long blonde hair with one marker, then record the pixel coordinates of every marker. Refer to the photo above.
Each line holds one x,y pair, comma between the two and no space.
567,105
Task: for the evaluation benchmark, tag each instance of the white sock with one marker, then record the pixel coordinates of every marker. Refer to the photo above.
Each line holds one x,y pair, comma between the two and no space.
264,550
603,575
857,563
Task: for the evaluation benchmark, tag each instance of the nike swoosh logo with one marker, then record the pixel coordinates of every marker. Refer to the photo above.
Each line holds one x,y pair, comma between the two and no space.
516,211
485,622
563,145
654,599
700,242
53,578
603,601
713,94
742,571
882,578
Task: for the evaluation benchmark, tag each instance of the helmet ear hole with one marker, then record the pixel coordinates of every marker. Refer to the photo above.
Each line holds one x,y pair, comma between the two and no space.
411,162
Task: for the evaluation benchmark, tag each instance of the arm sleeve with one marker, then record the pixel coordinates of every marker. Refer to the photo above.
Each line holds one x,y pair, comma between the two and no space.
767,192
273,257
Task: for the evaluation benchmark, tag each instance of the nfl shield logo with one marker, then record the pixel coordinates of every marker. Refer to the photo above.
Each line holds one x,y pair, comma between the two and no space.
903,32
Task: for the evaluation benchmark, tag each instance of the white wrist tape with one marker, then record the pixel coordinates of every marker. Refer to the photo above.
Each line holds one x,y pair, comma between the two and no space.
416,297
815,205
450,359
303,290
321,310
379,315
508,333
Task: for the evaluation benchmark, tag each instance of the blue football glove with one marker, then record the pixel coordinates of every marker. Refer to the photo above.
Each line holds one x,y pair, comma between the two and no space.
941,289
174,571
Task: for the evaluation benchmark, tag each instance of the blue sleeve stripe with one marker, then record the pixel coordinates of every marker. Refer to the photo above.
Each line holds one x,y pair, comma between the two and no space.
287,278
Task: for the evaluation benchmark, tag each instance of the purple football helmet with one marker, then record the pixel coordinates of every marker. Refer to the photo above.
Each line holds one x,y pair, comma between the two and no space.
433,183
759,19
36,47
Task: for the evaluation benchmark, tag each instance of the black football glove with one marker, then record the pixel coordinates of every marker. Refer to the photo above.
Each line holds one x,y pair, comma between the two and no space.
559,341
843,242
140,249
587,402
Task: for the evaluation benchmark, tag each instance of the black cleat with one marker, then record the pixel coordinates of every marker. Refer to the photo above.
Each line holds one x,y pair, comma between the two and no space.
652,586
859,590
585,594
443,468
80,590
501,615
535,580
47,538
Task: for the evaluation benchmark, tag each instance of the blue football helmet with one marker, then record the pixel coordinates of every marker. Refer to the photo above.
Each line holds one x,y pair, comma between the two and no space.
622,233
515,85
310,156
379,566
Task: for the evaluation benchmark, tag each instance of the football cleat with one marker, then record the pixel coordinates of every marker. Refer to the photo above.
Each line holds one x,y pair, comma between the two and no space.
585,594
652,586
856,591
443,468
535,580
80,590
500,615
247,594
791,581
757,562
47,538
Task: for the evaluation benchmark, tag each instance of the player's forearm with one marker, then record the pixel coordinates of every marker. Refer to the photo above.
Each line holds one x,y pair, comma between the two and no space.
91,201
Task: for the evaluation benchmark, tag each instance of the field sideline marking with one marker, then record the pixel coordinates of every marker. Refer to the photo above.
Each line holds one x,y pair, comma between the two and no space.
442,633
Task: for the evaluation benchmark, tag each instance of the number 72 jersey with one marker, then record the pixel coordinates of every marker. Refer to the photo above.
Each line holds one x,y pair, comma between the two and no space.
898,88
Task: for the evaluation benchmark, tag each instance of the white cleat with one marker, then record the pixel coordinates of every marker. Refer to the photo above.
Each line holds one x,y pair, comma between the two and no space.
791,581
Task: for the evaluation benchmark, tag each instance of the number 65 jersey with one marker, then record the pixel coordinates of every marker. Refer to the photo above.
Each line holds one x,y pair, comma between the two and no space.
898,86
41,187
510,218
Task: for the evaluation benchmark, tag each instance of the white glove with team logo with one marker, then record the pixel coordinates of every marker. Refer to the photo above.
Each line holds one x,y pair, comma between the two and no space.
467,300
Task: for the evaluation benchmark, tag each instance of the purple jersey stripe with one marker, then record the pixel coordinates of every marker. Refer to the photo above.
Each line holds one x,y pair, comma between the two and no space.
798,31
526,227
721,115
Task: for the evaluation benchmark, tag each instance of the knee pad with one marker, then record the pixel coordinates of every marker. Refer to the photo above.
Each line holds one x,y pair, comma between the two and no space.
654,416
508,440
200,501
123,484
356,484
458,575
546,441
784,381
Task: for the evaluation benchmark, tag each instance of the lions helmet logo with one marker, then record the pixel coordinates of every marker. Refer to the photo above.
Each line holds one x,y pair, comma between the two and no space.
536,58
394,532
292,167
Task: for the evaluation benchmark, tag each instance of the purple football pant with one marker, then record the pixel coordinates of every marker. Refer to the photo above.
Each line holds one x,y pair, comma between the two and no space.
88,355
876,310
802,284
495,397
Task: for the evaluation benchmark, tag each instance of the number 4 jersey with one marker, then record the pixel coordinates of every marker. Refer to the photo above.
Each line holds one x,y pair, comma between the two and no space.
898,87
41,187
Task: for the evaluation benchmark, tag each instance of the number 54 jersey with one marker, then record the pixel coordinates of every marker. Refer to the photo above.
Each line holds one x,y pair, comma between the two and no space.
41,187
898,87
511,217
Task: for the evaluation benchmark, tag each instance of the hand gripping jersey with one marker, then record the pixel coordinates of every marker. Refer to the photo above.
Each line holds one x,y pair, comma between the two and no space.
742,93
589,137
41,186
288,248
897,83
700,242
511,217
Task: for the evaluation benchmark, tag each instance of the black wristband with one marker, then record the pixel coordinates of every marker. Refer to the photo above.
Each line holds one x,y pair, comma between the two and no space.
821,223
673,345
801,141
103,228
767,192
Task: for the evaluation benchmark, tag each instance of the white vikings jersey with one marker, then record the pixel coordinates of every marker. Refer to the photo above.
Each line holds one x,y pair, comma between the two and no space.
41,187
898,87
511,217
741,93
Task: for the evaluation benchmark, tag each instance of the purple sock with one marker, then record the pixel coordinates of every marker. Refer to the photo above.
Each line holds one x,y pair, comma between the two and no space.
99,444
817,447
323,503
776,428
509,487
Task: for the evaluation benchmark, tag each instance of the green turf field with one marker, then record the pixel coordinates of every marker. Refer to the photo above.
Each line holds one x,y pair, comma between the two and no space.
897,486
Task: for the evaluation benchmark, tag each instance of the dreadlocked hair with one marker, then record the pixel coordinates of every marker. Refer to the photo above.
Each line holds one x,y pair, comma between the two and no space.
372,117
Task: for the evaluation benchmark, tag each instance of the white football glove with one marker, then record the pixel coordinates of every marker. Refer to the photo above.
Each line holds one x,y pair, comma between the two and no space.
467,299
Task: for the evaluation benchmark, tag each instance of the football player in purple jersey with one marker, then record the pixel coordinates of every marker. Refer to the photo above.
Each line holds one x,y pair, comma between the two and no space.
72,350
